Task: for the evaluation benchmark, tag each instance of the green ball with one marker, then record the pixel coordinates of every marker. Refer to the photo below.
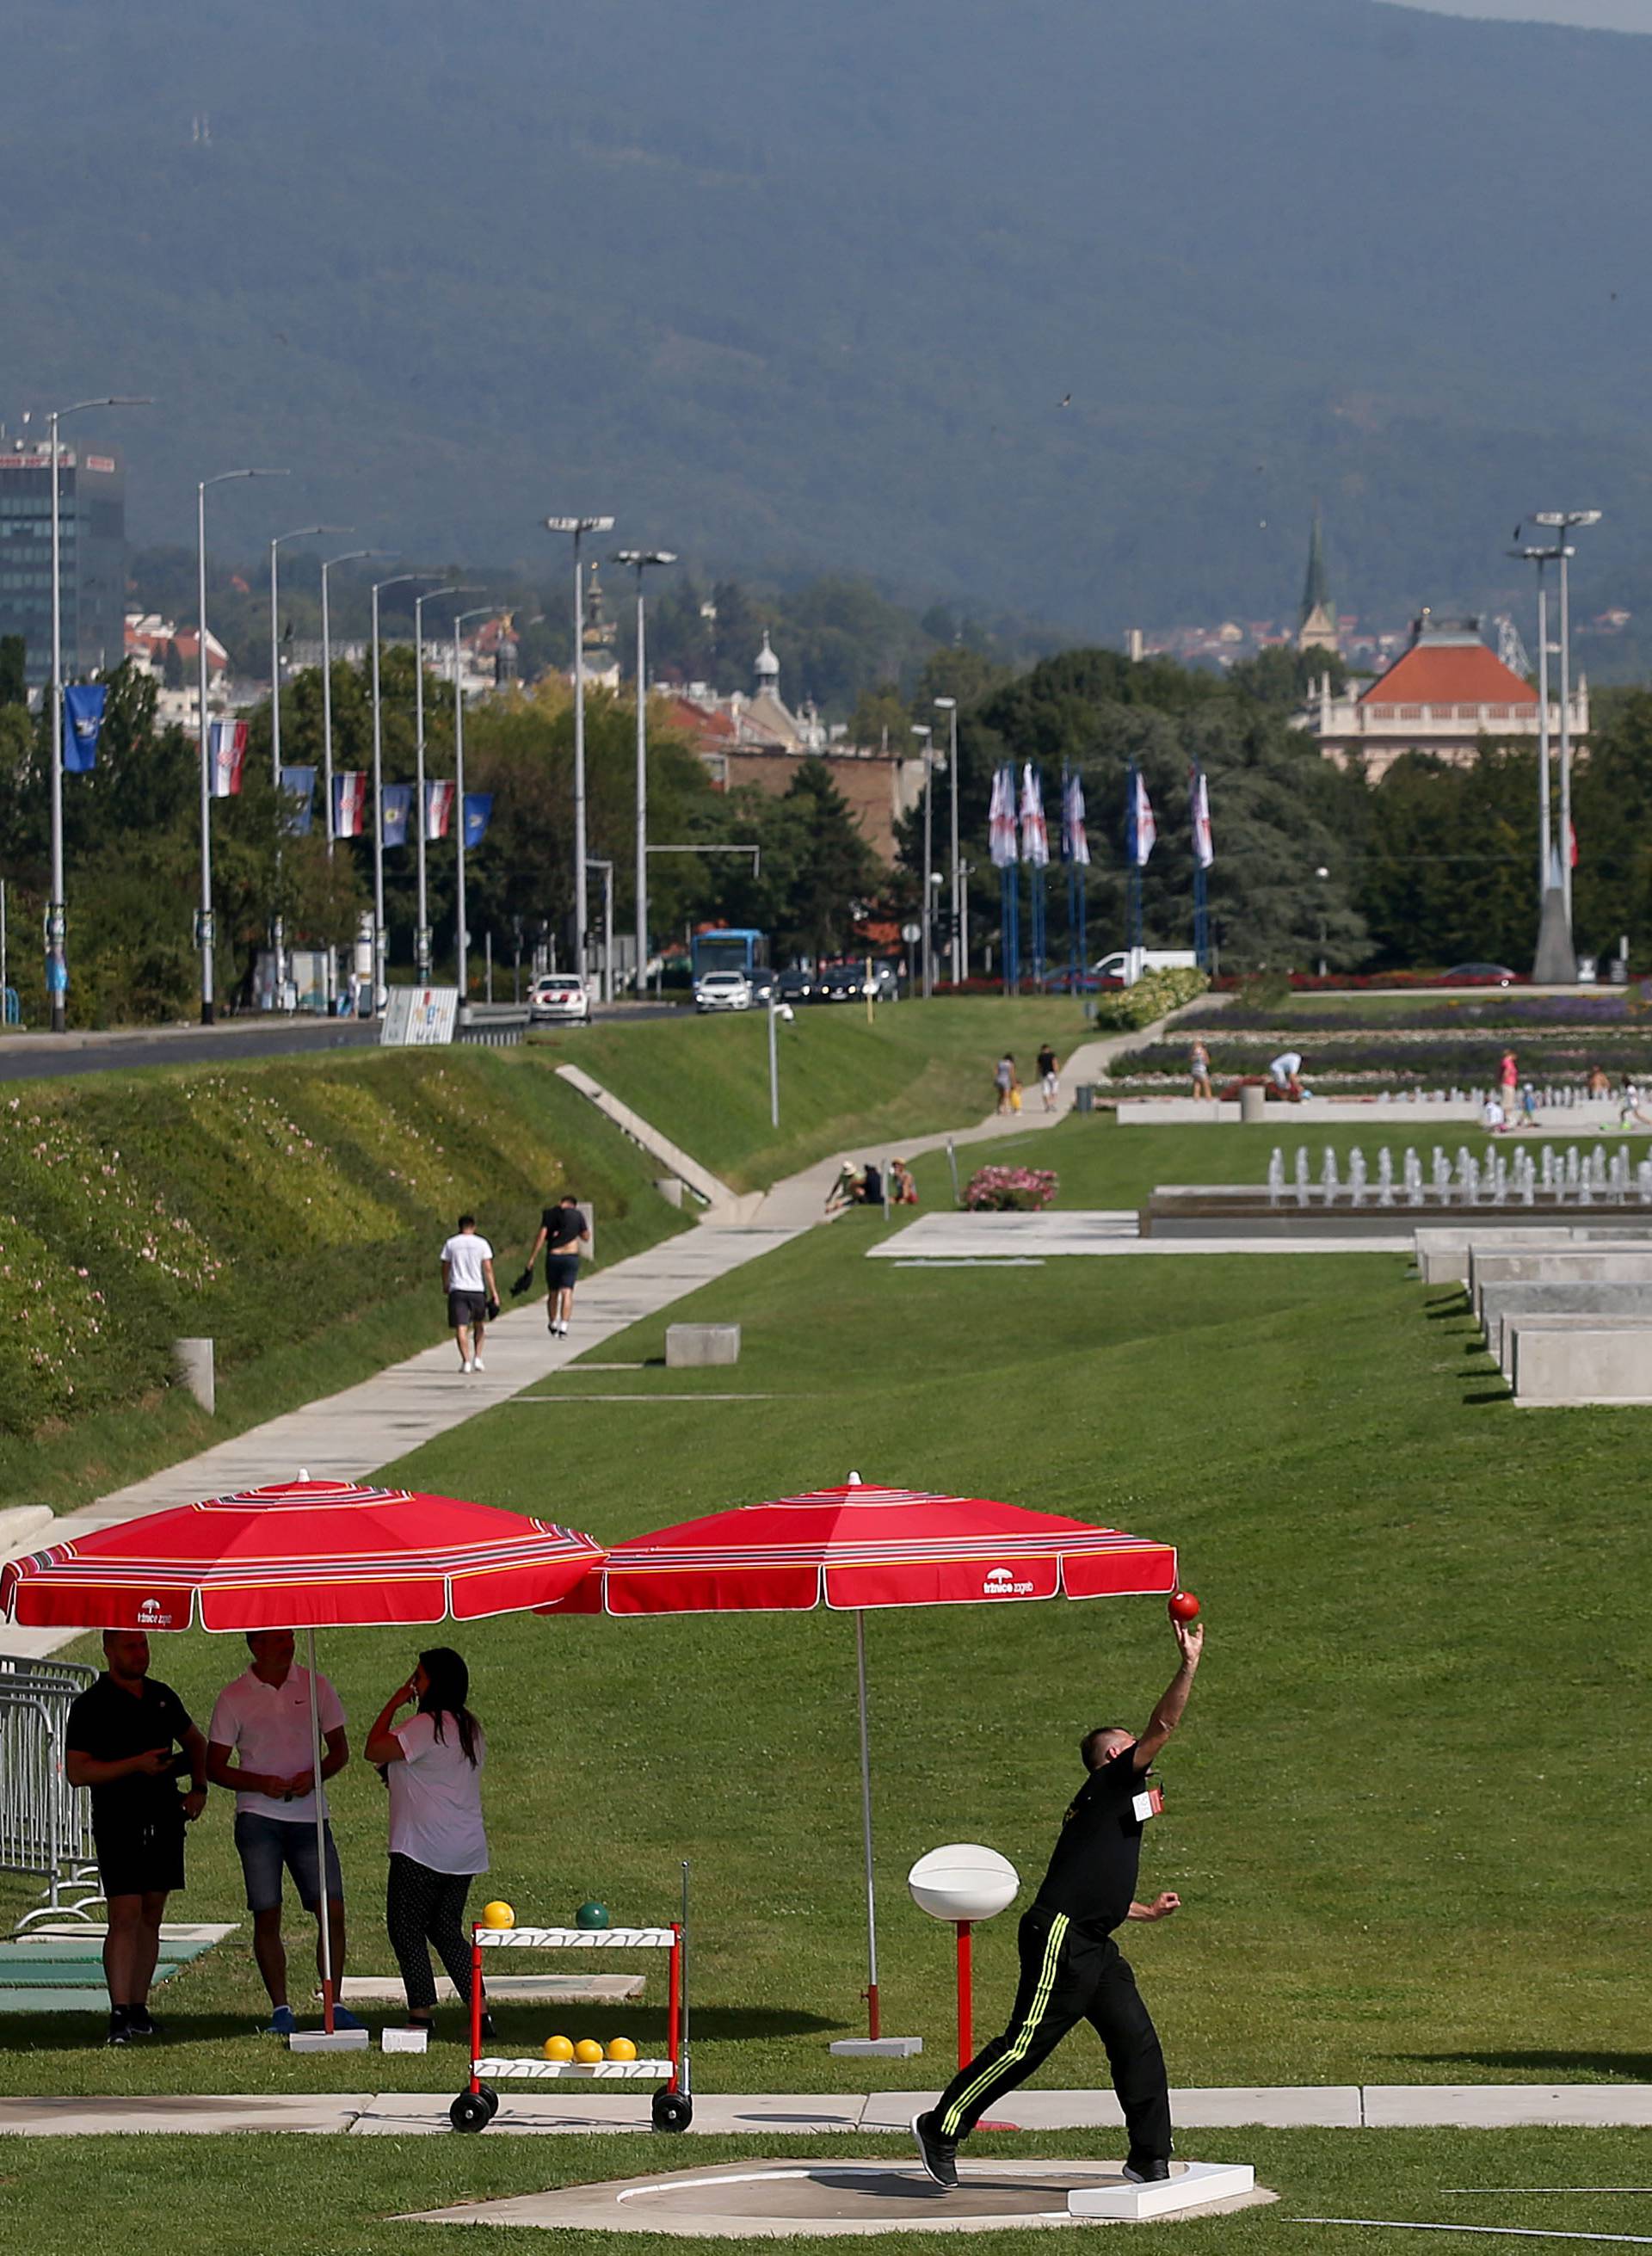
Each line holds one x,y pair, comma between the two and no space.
592,1915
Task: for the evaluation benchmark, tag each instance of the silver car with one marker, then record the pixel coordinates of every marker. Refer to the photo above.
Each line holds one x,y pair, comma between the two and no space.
723,990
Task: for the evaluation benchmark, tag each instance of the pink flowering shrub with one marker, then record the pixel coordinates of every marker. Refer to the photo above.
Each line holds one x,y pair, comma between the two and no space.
1010,1190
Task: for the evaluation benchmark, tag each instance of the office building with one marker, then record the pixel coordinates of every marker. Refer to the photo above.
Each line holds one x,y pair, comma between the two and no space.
92,505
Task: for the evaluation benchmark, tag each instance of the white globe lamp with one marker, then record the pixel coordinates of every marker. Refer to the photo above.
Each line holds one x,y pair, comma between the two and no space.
963,1883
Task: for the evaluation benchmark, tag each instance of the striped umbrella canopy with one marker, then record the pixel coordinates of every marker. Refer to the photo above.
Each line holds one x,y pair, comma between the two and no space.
858,1547
299,1554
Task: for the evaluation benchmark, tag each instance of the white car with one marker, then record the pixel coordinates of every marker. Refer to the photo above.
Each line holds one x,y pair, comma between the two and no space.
723,990
557,999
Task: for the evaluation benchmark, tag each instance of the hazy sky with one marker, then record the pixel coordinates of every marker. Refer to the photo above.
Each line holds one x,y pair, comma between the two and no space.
1609,15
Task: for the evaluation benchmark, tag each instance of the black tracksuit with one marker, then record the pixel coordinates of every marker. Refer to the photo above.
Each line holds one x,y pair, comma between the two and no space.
1073,1970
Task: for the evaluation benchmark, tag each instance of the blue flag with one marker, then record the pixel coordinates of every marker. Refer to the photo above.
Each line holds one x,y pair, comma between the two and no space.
298,783
478,808
398,805
83,703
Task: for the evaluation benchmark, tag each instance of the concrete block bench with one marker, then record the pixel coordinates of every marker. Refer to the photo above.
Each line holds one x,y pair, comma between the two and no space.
1558,1365
693,1347
1499,1303
1615,1263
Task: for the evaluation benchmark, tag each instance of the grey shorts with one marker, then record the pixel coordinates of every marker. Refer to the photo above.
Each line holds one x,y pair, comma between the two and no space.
267,1846
467,1308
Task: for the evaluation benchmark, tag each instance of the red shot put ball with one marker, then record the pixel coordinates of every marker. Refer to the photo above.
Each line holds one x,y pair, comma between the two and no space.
1184,1606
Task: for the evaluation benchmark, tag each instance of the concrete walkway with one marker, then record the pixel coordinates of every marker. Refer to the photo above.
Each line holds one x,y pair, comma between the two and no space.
537,2109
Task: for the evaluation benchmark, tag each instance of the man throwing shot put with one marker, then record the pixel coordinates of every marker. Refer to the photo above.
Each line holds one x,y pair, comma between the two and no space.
1071,1968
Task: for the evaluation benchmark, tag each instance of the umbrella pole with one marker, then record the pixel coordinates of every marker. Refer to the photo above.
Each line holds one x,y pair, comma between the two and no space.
874,2028
323,1912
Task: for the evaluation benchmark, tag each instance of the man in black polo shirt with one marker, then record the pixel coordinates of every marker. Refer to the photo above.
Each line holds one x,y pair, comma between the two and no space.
563,1233
1071,1968
128,1737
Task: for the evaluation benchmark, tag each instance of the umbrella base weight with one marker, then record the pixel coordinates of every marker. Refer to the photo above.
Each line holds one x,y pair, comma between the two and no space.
1189,2185
877,2048
328,2041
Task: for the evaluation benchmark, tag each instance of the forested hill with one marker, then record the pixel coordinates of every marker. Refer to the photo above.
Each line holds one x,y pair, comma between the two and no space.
795,285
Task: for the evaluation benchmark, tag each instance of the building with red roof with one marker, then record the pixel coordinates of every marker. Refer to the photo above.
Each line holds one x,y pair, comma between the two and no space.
1442,696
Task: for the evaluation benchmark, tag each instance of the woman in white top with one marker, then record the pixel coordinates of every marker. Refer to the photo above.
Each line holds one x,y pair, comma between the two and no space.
433,1766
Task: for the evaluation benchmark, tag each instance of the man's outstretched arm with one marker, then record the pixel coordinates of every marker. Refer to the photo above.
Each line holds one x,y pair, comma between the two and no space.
1189,1637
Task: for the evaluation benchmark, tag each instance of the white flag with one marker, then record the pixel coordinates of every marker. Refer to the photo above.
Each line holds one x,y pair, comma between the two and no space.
1034,829
1074,837
1204,845
1143,829
1000,825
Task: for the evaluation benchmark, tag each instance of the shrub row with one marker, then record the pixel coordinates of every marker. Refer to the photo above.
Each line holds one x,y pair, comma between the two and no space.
1152,996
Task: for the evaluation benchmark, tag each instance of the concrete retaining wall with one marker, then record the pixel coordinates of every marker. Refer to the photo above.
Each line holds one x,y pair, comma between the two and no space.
1615,1262
1500,1303
1442,1255
1564,1366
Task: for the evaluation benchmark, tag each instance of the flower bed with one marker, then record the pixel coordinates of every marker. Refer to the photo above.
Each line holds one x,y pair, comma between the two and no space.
1010,1190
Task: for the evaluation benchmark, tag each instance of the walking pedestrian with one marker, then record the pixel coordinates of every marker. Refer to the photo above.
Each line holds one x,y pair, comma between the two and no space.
1049,1076
1071,1968
565,1234
126,1739
1199,1067
473,1297
263,1717
438,1843
1508,1083
1004,1081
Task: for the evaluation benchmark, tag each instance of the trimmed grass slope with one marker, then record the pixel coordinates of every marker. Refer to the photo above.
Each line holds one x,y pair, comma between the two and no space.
292,1211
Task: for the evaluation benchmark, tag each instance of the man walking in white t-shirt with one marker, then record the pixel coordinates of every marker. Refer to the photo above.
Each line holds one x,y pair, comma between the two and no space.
263,1718
466,1278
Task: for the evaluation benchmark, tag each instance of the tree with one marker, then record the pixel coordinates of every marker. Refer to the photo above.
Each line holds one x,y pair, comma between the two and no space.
816,868
13,681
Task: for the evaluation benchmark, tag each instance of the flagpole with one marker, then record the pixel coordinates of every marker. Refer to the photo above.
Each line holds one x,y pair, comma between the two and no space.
461,934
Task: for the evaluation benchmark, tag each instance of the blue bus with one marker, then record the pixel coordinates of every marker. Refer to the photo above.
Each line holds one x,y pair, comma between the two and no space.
731,947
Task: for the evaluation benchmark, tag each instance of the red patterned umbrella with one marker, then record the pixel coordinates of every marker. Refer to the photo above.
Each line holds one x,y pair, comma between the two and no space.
299,1554
857,1548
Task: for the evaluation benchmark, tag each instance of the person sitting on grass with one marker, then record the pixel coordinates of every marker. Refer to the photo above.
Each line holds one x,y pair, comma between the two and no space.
903,1191
845,1191
432,1764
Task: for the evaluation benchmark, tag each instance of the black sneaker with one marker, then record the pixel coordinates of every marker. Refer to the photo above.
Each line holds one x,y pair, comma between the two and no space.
938,2156
490,2033
120,2028
1146,2169
139,2023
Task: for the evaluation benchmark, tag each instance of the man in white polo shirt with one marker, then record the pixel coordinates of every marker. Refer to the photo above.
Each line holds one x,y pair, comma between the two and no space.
263,1718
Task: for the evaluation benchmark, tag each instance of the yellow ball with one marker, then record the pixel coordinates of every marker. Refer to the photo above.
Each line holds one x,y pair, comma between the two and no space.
587,2052
621,2048
558,2048
498,1914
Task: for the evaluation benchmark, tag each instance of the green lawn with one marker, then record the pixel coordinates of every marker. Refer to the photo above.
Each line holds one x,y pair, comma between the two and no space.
341,2196
1406,1812
918,1068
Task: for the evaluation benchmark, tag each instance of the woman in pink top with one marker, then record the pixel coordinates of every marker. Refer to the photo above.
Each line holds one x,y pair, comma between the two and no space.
1508,1074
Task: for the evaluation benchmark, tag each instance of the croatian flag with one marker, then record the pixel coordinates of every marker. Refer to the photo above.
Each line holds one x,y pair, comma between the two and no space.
1034,829
438,809
1000,821
1204,845
83,704
349,803
478,807
226,756
1140,828
298,784
397,806
1074,839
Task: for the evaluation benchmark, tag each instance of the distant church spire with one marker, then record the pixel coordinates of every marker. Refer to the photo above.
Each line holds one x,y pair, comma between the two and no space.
1317,622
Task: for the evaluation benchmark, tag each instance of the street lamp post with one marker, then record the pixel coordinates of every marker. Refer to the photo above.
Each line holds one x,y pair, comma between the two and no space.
461,934
421,924
355,556
399,579
57,968
278,929
607,869
1565,521
922,728
1545,824
208,1010
641,559
949,707
1323,875
579,526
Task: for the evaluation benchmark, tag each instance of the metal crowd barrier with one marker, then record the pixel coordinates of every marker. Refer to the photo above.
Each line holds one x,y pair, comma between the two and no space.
46,1823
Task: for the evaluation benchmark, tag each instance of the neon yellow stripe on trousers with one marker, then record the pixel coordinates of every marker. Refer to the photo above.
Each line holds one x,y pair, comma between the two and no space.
1023,2035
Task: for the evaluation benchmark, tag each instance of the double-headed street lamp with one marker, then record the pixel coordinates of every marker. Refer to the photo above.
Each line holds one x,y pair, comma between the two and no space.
949,707
1563,522
278,929
208,1011
461,934
422,927
399,579
922,728
355,556
640,560
57,969
579,526
1542,557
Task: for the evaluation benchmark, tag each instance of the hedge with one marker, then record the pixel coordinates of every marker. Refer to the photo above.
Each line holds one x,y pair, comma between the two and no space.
1131,1008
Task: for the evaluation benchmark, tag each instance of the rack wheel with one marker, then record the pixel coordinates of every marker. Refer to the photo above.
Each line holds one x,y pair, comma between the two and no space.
673,2110
471,2112
486,2091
